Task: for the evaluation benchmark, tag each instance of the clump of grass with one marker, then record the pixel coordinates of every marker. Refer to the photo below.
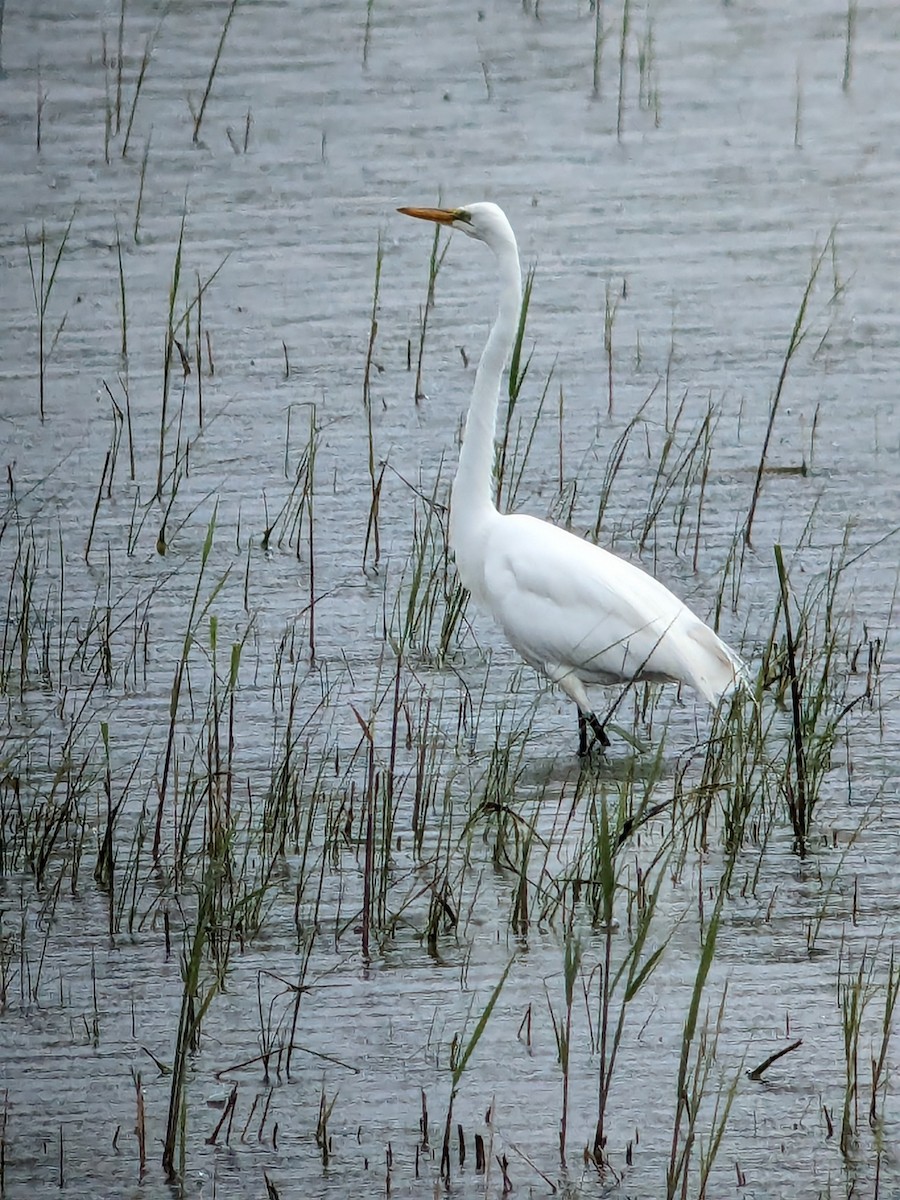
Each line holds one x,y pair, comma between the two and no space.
43,278
40,100
196,614
241,144
169,352
286,528
798,798
201,111
376,477
677,480
430,605
562,1030
195,1001
514,452
599,39
460,1060
614,461
698,1054
120,63
145,158
805,668
798,335
618,984
855,991
367,33
515,379
879,1062
146,58
648,87
623,58
174,325
852,11
104,872
435,262
611,303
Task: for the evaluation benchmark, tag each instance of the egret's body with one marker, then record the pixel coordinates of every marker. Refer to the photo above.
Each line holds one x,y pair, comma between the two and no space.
575,612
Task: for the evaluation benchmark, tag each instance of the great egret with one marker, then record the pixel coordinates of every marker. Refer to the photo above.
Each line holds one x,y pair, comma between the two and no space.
575,612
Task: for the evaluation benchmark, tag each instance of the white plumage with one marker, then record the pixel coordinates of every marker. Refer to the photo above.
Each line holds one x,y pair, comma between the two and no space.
575,612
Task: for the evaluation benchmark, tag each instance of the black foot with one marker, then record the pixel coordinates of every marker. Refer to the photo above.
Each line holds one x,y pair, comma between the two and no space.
585,719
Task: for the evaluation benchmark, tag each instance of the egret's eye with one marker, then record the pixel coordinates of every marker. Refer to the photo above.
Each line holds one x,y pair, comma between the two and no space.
462,215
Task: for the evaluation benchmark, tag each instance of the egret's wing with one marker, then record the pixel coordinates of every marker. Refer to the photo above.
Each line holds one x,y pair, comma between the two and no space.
569,606
562,600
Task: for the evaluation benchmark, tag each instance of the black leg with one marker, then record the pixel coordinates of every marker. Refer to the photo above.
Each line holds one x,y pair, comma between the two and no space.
585,719
599,731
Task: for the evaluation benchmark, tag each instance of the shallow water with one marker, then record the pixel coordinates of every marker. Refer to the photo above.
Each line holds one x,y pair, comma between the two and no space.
699,224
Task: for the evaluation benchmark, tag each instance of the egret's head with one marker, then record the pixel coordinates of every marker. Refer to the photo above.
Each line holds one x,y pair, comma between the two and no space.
483,221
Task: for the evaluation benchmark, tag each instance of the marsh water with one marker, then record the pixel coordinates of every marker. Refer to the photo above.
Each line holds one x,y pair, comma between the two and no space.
262,779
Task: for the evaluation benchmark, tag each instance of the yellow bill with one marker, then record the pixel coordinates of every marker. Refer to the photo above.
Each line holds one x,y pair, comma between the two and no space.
443,216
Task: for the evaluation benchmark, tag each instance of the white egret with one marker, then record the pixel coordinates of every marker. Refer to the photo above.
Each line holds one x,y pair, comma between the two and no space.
575,612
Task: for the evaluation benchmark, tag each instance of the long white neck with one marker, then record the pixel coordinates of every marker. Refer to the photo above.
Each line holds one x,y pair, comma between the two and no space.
472,497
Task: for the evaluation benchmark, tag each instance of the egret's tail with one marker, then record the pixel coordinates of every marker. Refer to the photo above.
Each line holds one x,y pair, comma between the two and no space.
715,670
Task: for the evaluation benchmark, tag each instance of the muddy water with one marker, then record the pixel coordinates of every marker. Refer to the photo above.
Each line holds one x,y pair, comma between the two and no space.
698,225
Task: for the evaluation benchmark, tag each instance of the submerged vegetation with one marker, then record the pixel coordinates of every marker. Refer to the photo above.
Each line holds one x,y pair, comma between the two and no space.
300,876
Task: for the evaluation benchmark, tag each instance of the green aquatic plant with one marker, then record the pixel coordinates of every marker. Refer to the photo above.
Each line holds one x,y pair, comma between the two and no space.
43,265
